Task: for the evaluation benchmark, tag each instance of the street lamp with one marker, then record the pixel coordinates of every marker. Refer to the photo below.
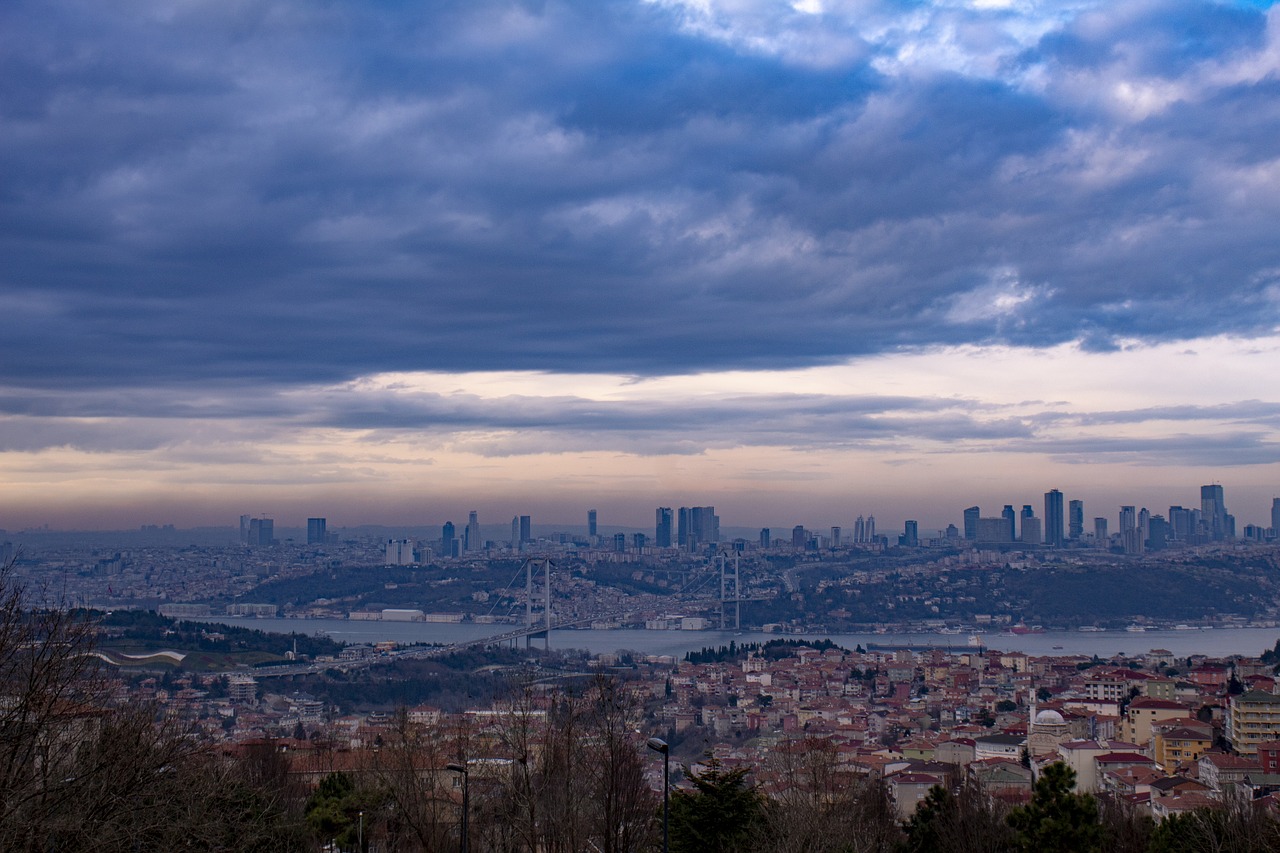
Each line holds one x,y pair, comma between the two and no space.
660,745
360,833
466,800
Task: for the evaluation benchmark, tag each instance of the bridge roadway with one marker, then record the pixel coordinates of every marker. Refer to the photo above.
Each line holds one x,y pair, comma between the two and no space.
428,652
425,652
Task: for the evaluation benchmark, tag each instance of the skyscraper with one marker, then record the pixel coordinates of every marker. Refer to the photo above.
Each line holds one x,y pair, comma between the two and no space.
1213,511
683,528
1100,532
471,538
971,516
515,532
662,527
835,537
1031,532
262,532
591,523
766,538
447,538
911,533
860,530
526,529
1128,519
1053,527
1275,517
316,531
1010,516
705,524
798,537
871,529
1075,519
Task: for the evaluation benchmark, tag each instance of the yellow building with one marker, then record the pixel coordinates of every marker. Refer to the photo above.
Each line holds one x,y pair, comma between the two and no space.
1181,745
1143,713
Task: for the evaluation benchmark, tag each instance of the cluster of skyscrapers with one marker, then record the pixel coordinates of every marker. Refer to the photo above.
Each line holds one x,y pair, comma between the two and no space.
1139,530
694,526
1062,524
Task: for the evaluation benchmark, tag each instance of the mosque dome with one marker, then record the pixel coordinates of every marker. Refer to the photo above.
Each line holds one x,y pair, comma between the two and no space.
1049,718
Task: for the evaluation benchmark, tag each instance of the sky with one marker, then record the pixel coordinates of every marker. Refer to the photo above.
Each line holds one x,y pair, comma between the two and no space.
391,262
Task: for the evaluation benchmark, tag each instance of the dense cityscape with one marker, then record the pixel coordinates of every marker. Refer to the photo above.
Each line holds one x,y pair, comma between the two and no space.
711,426
472,637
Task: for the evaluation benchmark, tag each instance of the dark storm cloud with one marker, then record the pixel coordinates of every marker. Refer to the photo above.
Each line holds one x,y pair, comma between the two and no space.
294,192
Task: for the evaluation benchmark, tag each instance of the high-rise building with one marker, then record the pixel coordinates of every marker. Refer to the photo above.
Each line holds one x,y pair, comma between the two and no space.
971,516
1011,518
1144,523
591,523
835,537
515,532
798,537
871,529
262,532
316,531
399,553
911,534
992,531
706,524
620,542
1075,519
1213,511
662,527
1128,519
526,529
860,531
471,538
244,529
447,537
637,541
683,528
1100,532
1182,525
697,525
1031,531
766,538
1053,527
1275,517
1158,532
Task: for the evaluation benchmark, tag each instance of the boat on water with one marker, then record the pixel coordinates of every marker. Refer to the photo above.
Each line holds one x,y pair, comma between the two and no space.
1021,628
1136,629
975,640
1093,629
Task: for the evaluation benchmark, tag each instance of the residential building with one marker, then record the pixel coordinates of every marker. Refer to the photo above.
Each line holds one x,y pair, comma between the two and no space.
1253,718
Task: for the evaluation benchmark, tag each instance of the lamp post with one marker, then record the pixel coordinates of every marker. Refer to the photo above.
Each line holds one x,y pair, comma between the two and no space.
466,800
660,745
360,834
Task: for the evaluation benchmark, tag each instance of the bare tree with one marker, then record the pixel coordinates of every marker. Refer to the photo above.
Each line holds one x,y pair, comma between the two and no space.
816,805
79,771
622,820
410,769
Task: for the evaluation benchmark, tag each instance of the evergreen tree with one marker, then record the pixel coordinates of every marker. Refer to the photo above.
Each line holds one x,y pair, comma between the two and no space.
1057,820
723,814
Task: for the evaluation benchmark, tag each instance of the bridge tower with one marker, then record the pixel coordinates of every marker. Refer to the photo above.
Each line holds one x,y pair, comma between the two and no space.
737,590
532,566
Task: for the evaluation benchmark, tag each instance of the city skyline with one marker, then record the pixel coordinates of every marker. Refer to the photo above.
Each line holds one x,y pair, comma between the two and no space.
800,260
